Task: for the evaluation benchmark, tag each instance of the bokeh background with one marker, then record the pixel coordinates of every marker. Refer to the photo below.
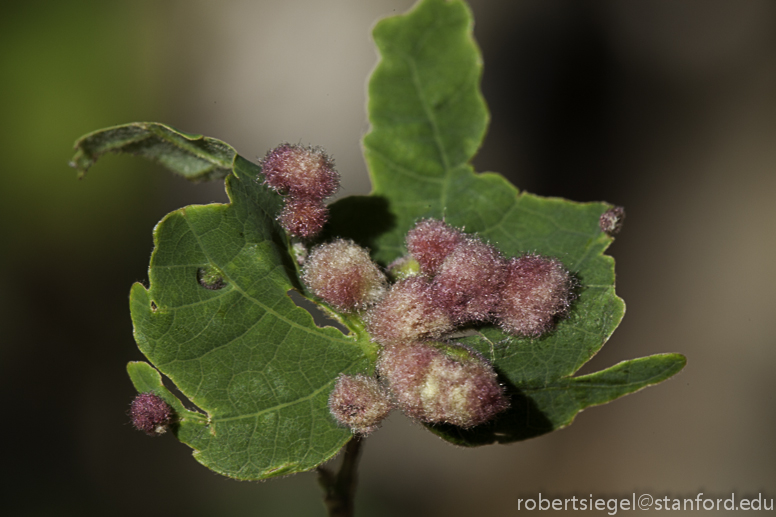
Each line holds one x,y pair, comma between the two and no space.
666,108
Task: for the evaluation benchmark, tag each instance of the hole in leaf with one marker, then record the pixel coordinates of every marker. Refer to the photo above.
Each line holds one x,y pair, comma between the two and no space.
180,396
153,306
320,318
211,277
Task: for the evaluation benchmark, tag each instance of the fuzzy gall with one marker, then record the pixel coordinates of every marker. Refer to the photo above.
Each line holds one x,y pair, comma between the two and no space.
303,217
468,281
442,383
537,291
301,171
150,414
343,275
359,402
611,220
431,241
408,312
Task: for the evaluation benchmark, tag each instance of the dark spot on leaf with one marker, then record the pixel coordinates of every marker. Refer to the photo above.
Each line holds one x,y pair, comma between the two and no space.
320,318
153,306
210,277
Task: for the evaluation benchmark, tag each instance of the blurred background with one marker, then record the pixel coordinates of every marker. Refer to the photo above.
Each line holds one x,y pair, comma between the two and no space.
666,108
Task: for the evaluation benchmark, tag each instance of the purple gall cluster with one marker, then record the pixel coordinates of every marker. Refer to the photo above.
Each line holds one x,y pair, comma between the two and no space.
307,176
466,280
150,414
449,279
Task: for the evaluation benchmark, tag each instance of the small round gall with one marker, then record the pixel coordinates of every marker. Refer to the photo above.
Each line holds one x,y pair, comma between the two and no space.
408,312
537,291
303,218
301,171
359,402
343,275
442,383
431,241
611,221
151,414
469,280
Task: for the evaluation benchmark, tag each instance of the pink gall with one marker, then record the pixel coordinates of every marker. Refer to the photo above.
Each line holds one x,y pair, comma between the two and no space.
408,312
469,280
431,241
359,402
302,172
343,275
537,291
611,221
150,414
442,383
303,218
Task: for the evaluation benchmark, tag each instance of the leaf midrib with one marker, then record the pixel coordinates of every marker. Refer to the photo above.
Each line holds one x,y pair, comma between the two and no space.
434,129
187,145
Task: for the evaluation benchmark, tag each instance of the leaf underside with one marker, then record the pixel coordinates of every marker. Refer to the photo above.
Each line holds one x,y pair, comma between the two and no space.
195,157
257,367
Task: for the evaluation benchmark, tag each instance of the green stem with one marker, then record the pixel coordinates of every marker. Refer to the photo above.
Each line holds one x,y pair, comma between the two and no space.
339,489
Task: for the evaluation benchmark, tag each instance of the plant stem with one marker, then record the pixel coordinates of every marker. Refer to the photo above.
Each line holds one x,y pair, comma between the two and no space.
339,489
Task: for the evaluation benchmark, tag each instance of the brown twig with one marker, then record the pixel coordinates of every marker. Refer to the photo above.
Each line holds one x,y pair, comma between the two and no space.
340,489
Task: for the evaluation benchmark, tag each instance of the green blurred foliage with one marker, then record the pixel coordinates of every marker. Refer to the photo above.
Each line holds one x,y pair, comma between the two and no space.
66,67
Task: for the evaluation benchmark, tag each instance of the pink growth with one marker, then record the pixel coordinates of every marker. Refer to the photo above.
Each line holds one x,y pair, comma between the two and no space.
537,291
468,282
303,172
430,241
408,312
359,402
442,383
150,414
303,217
343,275
611,220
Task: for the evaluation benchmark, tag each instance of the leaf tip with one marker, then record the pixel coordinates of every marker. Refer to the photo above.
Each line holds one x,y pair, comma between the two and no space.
80,162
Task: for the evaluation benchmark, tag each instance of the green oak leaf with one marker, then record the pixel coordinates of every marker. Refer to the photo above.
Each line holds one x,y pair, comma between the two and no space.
428,120
253,368
239,348
194,157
